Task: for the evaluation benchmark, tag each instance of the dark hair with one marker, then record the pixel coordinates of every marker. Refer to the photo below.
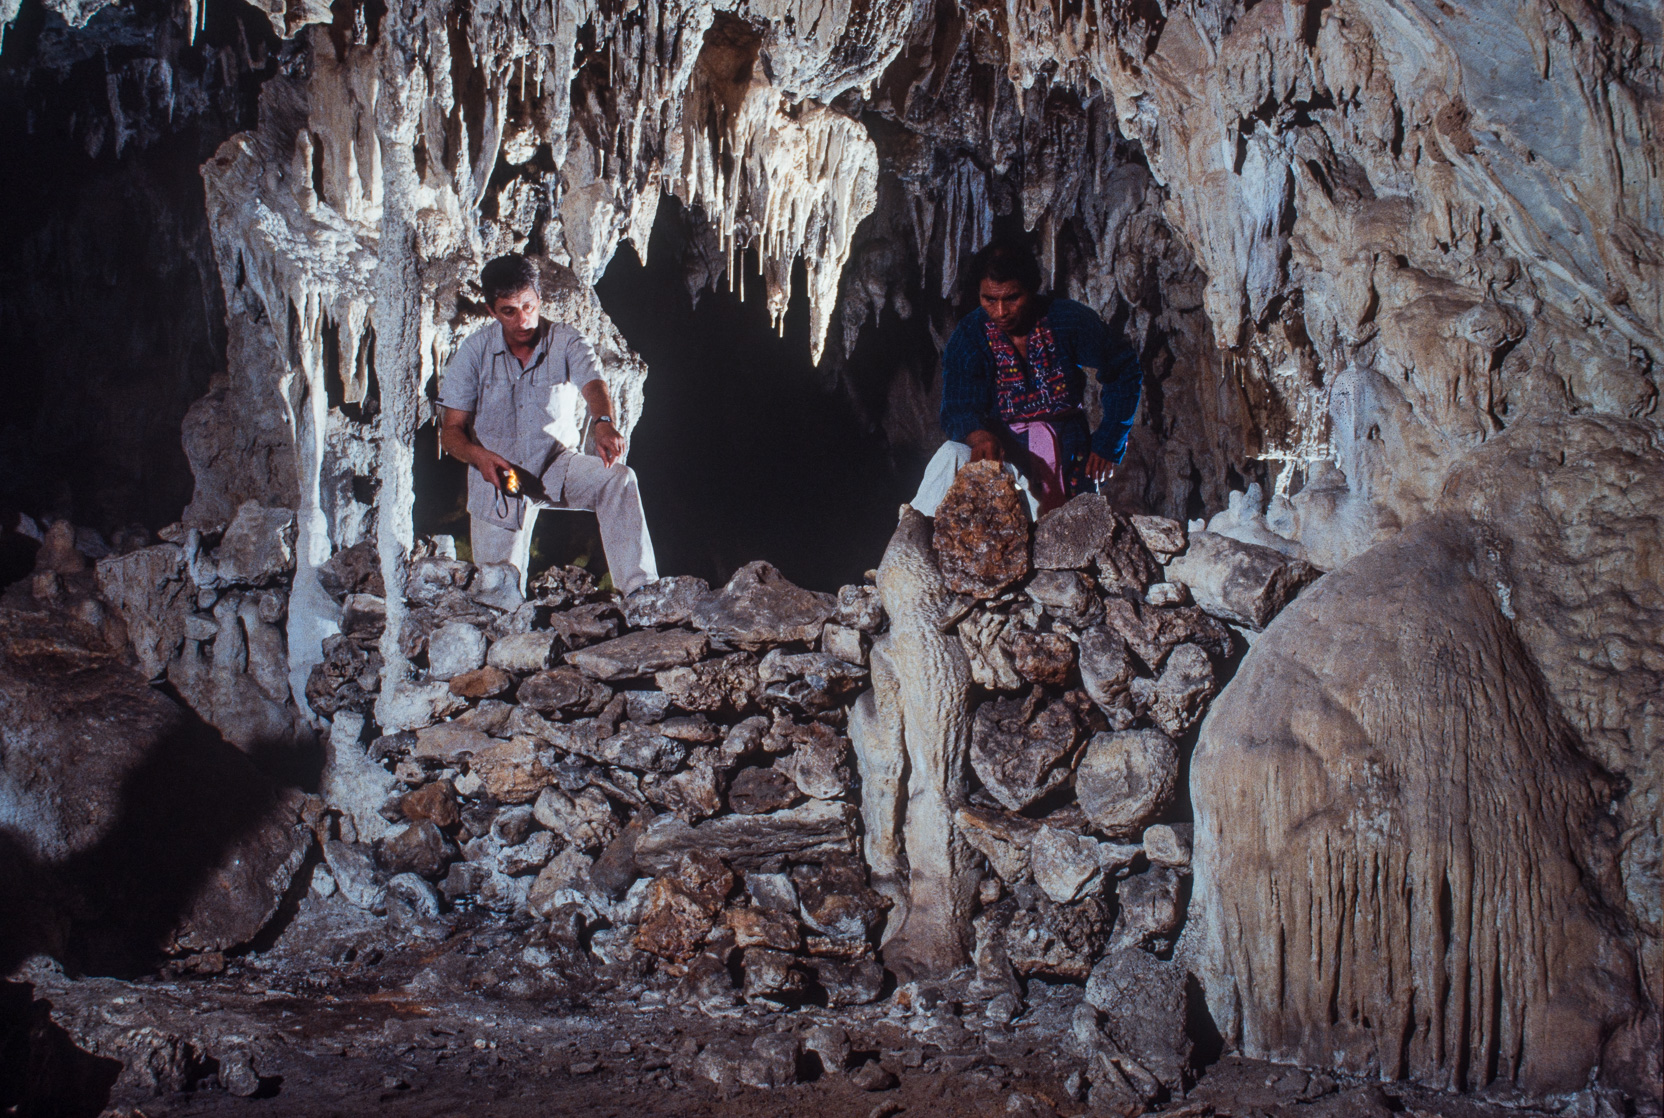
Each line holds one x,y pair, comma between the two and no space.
507,275
1002,260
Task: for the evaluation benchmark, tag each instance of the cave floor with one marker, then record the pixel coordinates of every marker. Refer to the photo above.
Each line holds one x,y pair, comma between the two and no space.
340,1017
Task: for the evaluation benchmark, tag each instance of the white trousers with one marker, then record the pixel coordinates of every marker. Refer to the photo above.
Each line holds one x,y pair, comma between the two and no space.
949,459
612,494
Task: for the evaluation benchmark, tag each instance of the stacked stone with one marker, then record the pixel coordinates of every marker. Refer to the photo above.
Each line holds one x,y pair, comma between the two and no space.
666,774
1096,641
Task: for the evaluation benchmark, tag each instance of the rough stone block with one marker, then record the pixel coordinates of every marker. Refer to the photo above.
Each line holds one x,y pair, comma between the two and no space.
760,608
1018,749
1087,533
807,833
1065,865
640,654
847,644
1164,537
726,683
1127,779
1240,582
669,601
514,771
521,653
455,648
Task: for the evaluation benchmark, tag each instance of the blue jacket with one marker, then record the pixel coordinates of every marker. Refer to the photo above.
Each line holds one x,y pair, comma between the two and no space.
1082,340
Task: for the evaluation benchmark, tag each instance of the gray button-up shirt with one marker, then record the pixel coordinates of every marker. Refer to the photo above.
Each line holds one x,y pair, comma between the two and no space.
517,409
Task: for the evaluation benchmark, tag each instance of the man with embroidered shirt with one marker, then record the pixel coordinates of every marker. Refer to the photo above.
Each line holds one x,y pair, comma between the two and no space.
1014,383
501,404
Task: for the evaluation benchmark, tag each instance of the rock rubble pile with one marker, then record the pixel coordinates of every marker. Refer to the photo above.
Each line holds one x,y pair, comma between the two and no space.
668,778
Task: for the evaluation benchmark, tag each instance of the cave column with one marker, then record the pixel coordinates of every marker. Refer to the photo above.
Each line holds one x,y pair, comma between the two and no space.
397,319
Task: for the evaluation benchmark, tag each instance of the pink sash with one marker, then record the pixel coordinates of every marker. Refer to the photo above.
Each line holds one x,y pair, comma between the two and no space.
1045,470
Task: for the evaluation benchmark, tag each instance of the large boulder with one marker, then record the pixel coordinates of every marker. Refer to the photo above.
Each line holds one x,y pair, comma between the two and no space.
1386,786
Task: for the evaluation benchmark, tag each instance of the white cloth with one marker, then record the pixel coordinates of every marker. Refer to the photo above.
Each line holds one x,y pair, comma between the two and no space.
610,492
945,466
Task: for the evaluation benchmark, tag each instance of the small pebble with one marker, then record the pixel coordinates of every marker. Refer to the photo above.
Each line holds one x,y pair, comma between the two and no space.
584,1067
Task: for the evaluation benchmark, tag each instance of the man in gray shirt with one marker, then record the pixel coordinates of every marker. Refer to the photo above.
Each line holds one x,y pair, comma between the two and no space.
501,401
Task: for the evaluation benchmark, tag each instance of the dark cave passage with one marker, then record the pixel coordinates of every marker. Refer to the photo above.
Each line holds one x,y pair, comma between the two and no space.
112,320
744,452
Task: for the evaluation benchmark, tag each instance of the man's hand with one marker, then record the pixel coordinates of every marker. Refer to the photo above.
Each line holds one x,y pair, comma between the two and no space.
491,465
609,444
1099,468
457,440
985,446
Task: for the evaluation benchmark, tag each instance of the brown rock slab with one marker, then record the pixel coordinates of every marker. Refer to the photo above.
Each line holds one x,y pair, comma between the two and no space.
1151,909
1002,837
1127,779
1057,940
860,608
420,848
563,691
981,532
836,900
435,803
1043,658
681,906
852,982
1154,631
448,742
771,976
523,652
693,794
352,570
760,608
1165,538
818,764
481,683
1146,1006
582,626
514,771
758,927
755,791
807,833
1106,665
639,654
669,601
1179,698
583,818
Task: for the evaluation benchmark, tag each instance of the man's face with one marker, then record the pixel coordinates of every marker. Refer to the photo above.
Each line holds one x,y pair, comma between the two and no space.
518,314
1008,304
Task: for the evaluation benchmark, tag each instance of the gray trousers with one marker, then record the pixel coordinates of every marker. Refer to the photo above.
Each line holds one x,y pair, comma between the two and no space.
610,492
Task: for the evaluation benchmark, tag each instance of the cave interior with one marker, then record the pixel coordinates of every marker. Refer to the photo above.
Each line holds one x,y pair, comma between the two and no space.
1311,767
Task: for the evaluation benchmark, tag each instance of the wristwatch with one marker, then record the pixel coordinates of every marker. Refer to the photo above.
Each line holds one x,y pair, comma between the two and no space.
601,419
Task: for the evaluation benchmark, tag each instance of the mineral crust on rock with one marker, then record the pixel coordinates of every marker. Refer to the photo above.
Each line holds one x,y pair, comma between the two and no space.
981,532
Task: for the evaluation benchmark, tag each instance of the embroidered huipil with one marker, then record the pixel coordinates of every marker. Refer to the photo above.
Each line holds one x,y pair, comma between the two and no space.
986,385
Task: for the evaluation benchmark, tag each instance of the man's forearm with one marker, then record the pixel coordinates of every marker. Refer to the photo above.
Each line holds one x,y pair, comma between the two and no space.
598,399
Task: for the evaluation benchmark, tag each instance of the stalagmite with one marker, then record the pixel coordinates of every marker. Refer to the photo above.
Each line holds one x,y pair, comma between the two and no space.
931,700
